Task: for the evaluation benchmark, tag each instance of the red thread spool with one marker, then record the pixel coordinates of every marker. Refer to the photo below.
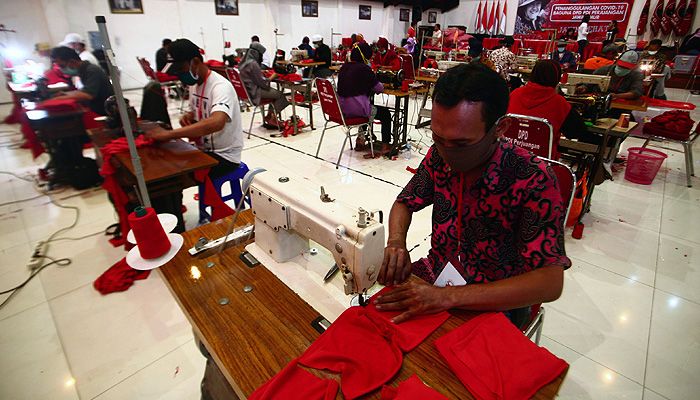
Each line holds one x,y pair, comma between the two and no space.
578,231
150,237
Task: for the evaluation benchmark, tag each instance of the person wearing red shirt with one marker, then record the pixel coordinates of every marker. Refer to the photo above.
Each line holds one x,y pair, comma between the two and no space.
539,99
412,30
385,57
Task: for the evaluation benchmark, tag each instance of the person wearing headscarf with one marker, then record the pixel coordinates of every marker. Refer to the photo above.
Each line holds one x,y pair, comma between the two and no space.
356,81
306,46
539,99
257,86
691,44
385,57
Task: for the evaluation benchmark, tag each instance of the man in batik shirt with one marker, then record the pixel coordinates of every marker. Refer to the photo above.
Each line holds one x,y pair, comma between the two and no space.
498,215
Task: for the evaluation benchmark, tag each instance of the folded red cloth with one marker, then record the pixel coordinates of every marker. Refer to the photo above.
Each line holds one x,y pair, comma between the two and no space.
674,121
294,383
118,277
412,389
57,105
308,60
494,360
215,63
291,77
379,339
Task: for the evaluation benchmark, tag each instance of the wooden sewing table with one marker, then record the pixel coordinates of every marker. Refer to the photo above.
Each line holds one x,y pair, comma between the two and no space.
255,334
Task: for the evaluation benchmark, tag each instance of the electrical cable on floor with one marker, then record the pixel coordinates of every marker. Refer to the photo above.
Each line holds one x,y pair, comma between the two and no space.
61,261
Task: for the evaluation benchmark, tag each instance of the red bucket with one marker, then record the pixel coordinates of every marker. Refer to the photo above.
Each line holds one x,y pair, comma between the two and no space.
643,164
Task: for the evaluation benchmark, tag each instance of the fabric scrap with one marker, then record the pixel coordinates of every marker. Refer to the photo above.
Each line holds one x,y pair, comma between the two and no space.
211,197
494,360
294,383
118,278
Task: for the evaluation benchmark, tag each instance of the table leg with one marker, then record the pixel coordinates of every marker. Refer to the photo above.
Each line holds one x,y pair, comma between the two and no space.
294,109
422,108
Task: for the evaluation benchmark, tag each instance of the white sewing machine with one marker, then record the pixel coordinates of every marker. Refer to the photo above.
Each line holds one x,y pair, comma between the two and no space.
603,82
437,55
288,214
445,65
298,55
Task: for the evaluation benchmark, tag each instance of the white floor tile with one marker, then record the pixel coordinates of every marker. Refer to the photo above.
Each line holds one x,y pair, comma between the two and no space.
108,338
678,270
616,246
32,362
604,317
673,364
587,379
176,375
13,272
680,219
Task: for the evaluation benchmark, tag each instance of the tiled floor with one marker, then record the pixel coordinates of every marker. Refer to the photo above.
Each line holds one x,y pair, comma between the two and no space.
628,321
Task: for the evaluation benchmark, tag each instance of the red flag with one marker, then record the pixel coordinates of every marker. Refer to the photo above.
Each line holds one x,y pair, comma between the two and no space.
642,25
677,17
477,26
656,17
493,8
666,24
687,18
485,16
502,22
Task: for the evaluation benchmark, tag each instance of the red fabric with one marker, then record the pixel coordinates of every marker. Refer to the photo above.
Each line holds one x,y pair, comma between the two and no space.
381,342
215,64
430,63
162,77
118,277
656,131
540,101
57,105
294,383
30,137
412,389
308,60
676,122
54,75
110,184
291,77
494,360
16,112
219,209
89,121
411,333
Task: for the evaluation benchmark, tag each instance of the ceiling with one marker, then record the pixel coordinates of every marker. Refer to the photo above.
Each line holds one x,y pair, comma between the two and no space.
442,5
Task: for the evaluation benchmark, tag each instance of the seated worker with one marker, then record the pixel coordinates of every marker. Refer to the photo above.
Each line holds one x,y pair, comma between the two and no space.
96,86
385,57
539,99
306,46
657,64
162,55
266,64
356,81
323,54
505,60
621,44
497,217
476,55
564,57
258,87
436,41
626,80
214,119
570,34
76,42
606,57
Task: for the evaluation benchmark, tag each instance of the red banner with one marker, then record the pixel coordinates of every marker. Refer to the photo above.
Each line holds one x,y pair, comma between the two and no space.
564,14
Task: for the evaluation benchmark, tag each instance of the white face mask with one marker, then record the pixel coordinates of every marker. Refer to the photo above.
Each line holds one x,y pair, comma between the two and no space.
652,52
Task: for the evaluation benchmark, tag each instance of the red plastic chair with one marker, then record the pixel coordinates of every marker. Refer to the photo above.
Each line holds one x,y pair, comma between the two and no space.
332,113
242,93
567,185
407,65
531,133
166,81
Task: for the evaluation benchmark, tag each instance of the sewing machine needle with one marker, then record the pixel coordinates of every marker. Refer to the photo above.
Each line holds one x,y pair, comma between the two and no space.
331,272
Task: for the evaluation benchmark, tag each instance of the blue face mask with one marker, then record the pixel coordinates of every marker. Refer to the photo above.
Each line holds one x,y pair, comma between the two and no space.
477,58
619,71
69,71
561,49
188,78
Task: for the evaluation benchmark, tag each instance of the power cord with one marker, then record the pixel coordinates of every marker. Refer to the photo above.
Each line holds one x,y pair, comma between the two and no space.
61,261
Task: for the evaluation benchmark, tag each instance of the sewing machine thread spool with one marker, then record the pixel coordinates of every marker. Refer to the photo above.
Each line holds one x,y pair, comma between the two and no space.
624,121
150,237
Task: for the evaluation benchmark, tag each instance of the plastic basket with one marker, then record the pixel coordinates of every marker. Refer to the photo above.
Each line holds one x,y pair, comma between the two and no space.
643,164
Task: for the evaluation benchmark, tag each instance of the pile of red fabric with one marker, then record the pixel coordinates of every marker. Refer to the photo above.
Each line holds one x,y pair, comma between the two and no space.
215,64
118,278
676,121
308,60
291,77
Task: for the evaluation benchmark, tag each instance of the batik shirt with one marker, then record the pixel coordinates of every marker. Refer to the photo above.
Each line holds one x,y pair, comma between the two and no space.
505,59
512,216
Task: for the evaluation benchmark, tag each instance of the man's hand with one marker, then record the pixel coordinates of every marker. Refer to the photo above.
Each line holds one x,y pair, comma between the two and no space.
187,119
417,298
274,76
614,96
396,266
158,133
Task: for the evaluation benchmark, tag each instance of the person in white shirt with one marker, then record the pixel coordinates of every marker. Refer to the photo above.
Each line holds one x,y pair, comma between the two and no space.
76,42
582,38
266,63
214,119
436,41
